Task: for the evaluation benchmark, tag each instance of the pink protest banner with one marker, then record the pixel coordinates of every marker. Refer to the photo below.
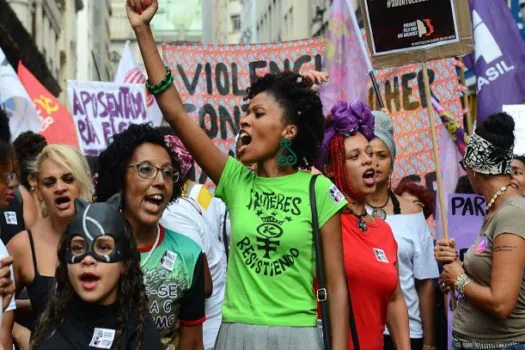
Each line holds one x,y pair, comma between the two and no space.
212,80
404,95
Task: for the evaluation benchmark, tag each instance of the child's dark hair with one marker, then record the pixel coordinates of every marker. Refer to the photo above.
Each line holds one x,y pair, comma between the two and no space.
114,161
302,107
131,297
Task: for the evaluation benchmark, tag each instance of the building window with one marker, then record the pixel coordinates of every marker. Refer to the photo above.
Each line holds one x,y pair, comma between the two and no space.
236,23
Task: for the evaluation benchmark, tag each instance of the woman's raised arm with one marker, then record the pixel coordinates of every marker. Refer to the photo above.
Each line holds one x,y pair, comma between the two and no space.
209,157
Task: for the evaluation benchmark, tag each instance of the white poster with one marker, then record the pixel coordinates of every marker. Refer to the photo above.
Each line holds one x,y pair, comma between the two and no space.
102,109
518,113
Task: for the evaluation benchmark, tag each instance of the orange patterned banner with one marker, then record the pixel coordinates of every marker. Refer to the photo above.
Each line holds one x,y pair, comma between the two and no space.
404,95
212,81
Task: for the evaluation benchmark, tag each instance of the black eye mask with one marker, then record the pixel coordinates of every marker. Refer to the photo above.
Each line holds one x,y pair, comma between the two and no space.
100,229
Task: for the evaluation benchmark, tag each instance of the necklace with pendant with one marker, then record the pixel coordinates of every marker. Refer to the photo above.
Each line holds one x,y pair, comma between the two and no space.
497,195
361,224
379,212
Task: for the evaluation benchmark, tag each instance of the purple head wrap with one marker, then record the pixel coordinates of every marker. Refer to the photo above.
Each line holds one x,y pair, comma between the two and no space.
348,120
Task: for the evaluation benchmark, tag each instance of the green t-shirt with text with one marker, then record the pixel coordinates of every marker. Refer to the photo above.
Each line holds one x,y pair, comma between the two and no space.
271,267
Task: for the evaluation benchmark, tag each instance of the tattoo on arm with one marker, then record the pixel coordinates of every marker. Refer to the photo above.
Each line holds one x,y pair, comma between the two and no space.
504,248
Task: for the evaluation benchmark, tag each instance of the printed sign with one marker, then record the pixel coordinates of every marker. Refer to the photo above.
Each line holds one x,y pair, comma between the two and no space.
212,81
103,109
380,255
10,218
401,25
418,30
102,338
466,213
403,92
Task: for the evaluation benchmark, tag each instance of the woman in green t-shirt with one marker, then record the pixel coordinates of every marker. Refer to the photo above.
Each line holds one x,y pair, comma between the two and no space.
270,300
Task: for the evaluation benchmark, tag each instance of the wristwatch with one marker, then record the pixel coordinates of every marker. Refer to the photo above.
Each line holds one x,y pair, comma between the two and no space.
461,281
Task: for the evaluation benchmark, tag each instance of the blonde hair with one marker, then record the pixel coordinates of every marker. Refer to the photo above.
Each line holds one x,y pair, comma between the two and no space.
73,161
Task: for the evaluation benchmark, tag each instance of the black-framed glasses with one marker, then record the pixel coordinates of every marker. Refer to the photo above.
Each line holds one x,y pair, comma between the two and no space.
8,177
149,172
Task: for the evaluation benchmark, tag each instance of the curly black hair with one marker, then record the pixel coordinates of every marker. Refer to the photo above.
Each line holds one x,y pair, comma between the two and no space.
302,107
114,160
131,297
28,146
498,129
5,132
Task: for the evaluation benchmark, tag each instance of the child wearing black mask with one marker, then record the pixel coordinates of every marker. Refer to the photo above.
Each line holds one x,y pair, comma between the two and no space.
100,300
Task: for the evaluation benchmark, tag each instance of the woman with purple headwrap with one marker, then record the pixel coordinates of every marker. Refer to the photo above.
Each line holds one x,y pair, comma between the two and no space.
370,249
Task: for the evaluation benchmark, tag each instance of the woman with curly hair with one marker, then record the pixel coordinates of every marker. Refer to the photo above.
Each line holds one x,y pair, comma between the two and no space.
100,299
416,263
139,165
62,175
370,249
269,300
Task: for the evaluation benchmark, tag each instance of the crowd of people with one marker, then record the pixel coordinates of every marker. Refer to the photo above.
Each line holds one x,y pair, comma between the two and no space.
305,244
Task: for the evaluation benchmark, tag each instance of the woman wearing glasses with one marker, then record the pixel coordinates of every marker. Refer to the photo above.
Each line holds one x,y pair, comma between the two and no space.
140,166
62,175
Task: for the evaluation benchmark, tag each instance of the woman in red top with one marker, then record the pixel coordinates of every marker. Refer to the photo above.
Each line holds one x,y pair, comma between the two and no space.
370,250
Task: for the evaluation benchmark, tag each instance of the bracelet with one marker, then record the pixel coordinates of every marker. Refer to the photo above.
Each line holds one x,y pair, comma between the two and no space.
163,85
461,282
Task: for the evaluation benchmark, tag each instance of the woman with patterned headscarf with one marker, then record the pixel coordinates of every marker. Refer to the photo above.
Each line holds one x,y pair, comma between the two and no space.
370,249
417,266
490,283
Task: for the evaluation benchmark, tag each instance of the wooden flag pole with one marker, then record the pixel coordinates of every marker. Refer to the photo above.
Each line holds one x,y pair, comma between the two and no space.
376,89
435,146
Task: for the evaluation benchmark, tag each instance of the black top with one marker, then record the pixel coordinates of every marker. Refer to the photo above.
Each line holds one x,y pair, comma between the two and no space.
93,326
39,289
12,218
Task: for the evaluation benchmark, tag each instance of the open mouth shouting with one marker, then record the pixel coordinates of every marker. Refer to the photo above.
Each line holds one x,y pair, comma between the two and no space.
245,140
369,177
154,203
63,202
89,281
